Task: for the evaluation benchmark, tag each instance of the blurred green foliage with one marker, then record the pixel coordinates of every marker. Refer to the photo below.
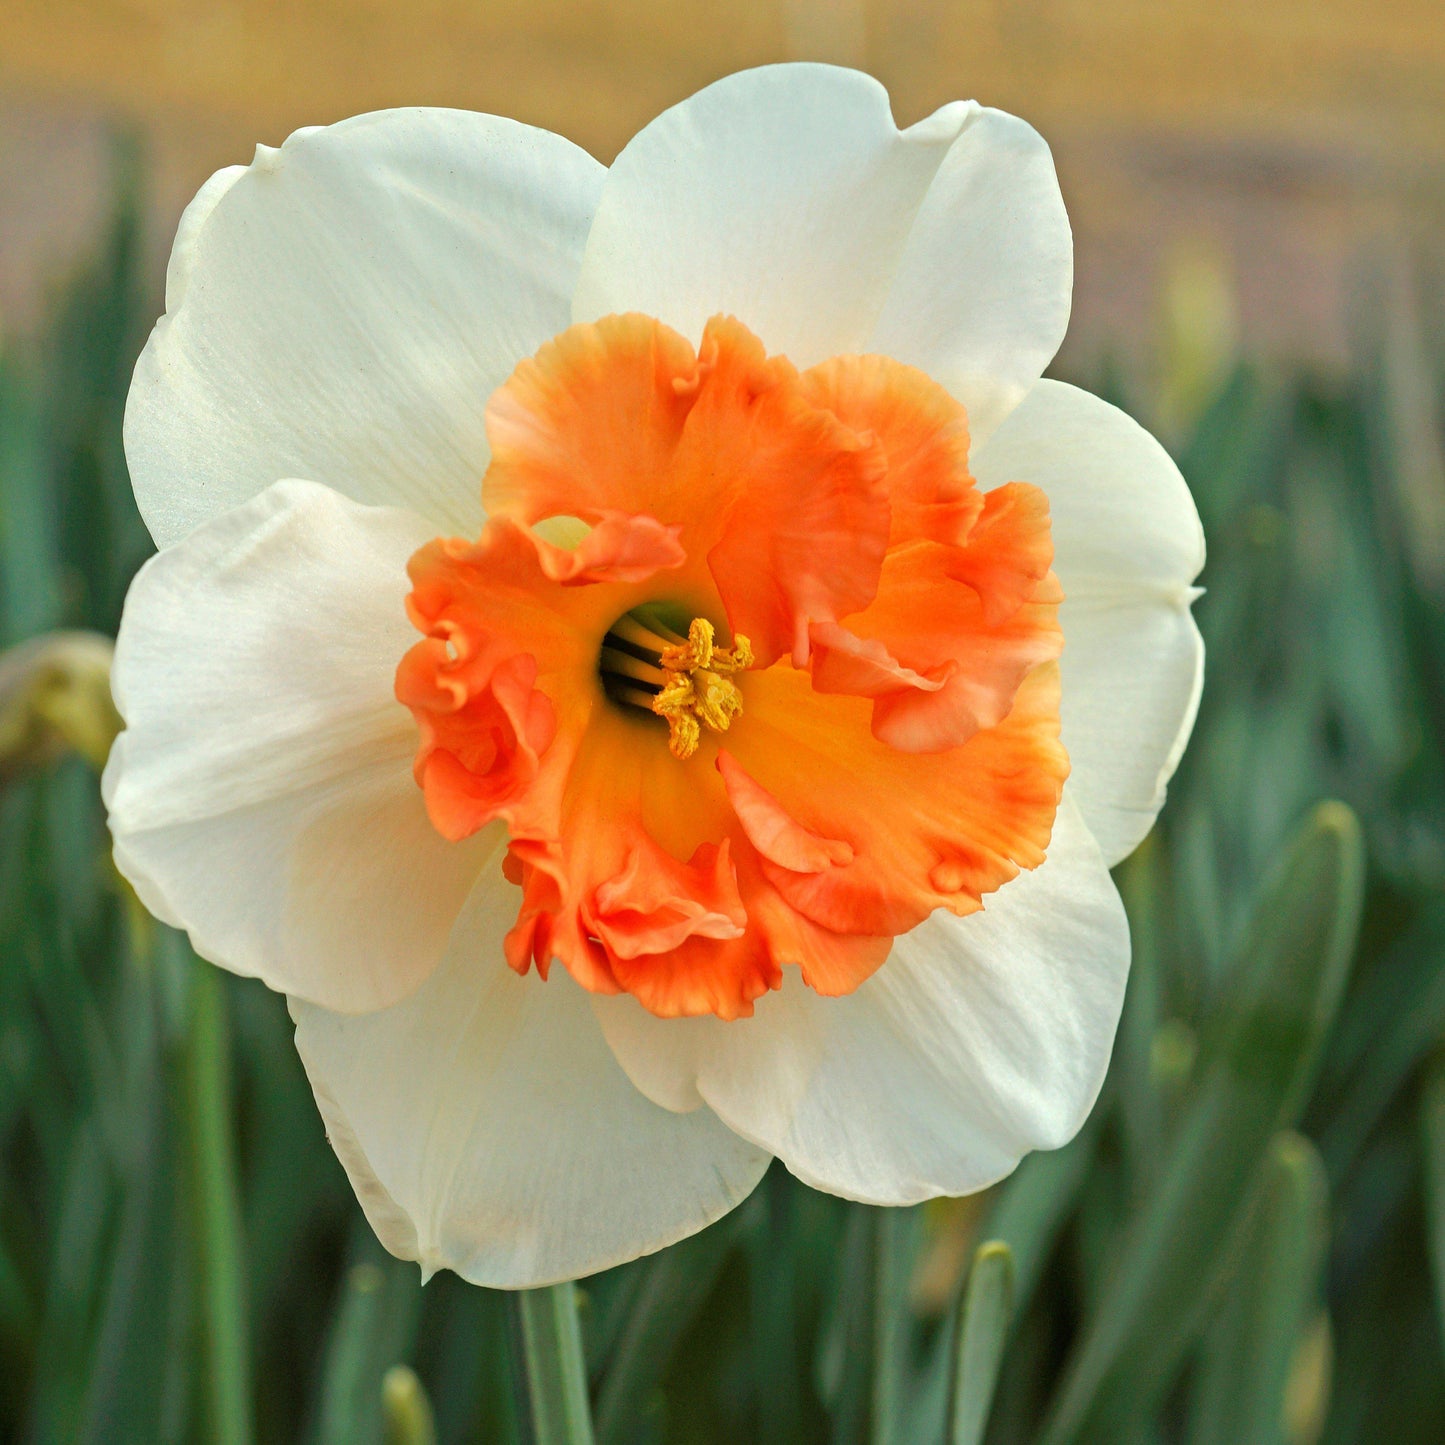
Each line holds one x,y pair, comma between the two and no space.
1238,1247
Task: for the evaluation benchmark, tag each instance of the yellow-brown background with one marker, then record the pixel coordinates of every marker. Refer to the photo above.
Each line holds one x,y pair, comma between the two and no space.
1291,141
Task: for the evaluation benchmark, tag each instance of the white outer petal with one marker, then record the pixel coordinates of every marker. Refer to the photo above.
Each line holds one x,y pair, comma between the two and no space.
342,308
984,287
1128,546
788,197
487,1128
261,796
188,232
978,1040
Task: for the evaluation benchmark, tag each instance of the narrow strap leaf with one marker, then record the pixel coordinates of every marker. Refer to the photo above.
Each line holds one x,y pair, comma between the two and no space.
892,1263
406,1413
676,1285
1256,1068
374,1325
1253,1341
217,1209
548,1338
984,1311
1432,1120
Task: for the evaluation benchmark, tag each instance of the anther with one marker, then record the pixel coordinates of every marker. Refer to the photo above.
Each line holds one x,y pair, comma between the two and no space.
686,681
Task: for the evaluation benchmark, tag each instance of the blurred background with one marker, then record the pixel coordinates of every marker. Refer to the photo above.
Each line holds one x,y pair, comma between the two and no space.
1247,1243
1280,140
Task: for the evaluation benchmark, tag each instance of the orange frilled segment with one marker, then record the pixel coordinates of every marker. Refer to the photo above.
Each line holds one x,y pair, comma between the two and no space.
779,505
884,738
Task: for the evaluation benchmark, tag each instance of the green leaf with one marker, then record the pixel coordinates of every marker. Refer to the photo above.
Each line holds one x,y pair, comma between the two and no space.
216,1208
406,1413
31,583
1141,1108
1032,1206
372,1329
677,1284
1432,1125
895,1237
1404,1008
76,1280
1253,1340
1256,1067
549,1345
771,1238
984,1311
144,1328
845,1346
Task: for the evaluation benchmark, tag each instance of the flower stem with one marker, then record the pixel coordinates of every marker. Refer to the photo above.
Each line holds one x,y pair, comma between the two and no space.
890,1321
216,1211
547,1340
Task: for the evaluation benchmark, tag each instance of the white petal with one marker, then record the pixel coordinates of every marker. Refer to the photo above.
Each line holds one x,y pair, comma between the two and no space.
261,796
788,197
487,1128
192,223
1128,546
342,308
978,1040
783,195
985,284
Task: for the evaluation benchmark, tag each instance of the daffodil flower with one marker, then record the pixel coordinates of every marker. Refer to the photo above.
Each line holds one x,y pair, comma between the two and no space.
641,658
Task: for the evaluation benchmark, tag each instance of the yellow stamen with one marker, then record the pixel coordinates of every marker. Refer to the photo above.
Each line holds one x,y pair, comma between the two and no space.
625,665
698,690
631,629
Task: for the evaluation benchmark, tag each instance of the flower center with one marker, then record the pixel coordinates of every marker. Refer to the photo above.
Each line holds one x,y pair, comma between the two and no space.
685,680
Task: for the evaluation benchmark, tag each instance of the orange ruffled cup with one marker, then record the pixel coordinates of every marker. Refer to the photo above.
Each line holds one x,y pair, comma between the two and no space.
878,739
